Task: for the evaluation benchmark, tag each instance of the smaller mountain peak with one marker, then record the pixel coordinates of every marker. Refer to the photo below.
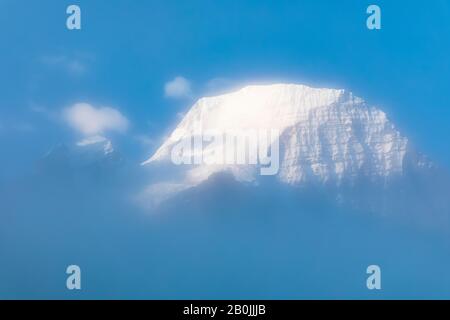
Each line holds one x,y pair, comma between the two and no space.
97,141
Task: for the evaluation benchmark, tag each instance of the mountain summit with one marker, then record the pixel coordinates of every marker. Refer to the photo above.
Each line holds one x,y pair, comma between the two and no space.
331,149
325,135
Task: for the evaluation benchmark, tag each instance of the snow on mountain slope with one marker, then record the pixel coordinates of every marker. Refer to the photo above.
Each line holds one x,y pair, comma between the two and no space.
325,135
97,140
93,154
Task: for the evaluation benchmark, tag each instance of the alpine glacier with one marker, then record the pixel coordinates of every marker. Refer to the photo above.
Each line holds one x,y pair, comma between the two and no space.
326,135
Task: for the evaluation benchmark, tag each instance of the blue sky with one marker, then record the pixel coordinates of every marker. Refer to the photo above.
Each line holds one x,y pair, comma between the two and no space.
127,51
113,77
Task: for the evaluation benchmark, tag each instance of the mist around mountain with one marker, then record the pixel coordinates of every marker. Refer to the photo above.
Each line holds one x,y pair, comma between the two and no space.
221,238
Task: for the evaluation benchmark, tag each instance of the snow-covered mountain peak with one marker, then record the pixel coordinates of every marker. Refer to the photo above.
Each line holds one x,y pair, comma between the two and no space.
259,106
325,135
101,141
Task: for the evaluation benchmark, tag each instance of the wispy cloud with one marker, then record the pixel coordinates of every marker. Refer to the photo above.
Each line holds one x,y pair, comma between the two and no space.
145,140
179,87
74,65
42,110
16,127
89,120
218,84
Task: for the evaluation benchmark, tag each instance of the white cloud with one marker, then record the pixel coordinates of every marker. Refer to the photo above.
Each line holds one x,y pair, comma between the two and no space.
178,88
89,120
